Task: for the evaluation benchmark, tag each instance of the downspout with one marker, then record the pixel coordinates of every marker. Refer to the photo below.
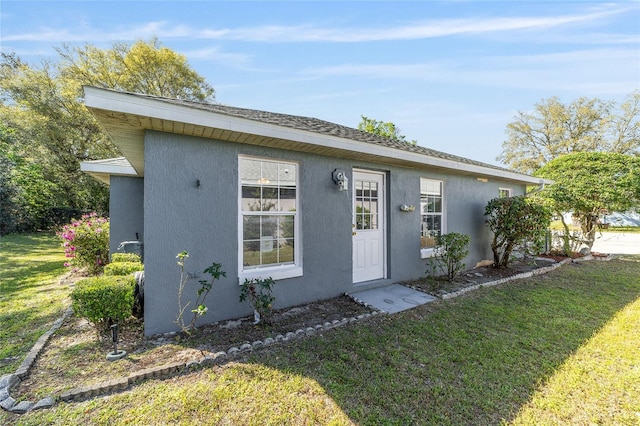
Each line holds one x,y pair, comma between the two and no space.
547,239
540,188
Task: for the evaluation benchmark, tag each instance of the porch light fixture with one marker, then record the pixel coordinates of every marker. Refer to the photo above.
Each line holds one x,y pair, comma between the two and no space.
340,178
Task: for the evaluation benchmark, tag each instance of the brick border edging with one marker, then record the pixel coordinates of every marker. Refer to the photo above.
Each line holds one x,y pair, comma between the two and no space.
7,382
159,372
539,271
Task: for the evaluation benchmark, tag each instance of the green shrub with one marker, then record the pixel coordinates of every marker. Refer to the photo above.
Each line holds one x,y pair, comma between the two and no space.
516,222
215,270
104,300
449,253
123,268
125,257
258,292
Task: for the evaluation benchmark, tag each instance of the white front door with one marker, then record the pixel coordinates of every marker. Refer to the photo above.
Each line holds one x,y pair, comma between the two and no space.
369,259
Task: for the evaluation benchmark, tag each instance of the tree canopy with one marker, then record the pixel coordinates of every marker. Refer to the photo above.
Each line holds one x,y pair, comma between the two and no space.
382,128
47,131
553,129
144,67
591,183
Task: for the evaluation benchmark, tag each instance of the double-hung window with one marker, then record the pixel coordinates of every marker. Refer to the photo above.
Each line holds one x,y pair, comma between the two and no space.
269,219
504,192
431,214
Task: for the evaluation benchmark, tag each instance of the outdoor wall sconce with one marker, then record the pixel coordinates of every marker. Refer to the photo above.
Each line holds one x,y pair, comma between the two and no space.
340,179
407,208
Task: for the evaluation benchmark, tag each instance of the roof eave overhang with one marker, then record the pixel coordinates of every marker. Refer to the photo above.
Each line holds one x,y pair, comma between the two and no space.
127,116
102,170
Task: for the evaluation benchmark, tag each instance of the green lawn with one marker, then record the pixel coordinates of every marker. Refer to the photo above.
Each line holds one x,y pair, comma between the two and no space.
30,297
556,225
554,349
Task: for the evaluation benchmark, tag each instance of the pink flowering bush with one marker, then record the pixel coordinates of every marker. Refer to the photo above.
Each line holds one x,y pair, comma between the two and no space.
86,243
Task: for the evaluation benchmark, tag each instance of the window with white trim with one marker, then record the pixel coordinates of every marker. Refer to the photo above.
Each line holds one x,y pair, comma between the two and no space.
504,192
431,213
268,222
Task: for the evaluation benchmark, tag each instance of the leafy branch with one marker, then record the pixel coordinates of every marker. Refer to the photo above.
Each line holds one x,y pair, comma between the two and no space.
215,270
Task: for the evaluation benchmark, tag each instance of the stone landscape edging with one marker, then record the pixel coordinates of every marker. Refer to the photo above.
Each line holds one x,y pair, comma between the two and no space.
10,380
529,274
7,382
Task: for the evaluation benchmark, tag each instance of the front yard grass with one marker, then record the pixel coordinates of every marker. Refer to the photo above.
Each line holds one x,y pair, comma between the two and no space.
31,298
561,348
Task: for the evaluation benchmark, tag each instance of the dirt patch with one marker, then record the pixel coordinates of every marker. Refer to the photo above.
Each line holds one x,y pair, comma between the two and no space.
76,356
439,286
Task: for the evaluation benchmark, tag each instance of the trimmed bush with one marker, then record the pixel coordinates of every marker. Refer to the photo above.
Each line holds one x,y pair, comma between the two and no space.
125,257
516,222
123,268
104,300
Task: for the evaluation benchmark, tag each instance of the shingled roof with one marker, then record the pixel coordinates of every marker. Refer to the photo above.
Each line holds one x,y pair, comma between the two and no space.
128,116
321,127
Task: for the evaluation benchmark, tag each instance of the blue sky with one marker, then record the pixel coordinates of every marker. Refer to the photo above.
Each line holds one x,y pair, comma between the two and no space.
450,74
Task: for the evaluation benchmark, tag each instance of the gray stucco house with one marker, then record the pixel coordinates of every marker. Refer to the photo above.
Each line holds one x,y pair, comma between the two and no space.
321,208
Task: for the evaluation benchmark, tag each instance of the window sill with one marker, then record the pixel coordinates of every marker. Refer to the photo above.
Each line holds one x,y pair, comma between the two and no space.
427,253
275,272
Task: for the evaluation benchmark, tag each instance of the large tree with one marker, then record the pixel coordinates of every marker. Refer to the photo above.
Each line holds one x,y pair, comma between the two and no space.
553,129
382,128
144,67
52,131
591,183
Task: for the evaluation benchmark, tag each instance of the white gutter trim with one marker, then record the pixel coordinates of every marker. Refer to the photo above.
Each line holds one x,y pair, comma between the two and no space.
148,107
111,169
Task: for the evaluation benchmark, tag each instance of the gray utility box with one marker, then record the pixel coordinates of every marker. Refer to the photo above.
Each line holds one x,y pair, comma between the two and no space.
132,247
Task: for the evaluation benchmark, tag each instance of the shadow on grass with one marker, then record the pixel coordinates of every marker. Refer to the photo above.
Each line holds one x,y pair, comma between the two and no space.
27,261
17,340
473,360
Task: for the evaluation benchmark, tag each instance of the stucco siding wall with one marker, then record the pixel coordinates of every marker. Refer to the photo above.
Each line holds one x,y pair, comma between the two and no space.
180,216
466,198
203,220
126,211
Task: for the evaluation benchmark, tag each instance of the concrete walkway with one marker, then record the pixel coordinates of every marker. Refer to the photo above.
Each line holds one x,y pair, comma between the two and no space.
393,298
617,243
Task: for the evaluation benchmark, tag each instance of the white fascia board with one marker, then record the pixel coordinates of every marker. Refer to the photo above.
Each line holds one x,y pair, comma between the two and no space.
149,107
110,169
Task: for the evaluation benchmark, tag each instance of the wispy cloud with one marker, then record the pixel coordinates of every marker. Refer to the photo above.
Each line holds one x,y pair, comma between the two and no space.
87,33
410,31
598,70
217,54
311,33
